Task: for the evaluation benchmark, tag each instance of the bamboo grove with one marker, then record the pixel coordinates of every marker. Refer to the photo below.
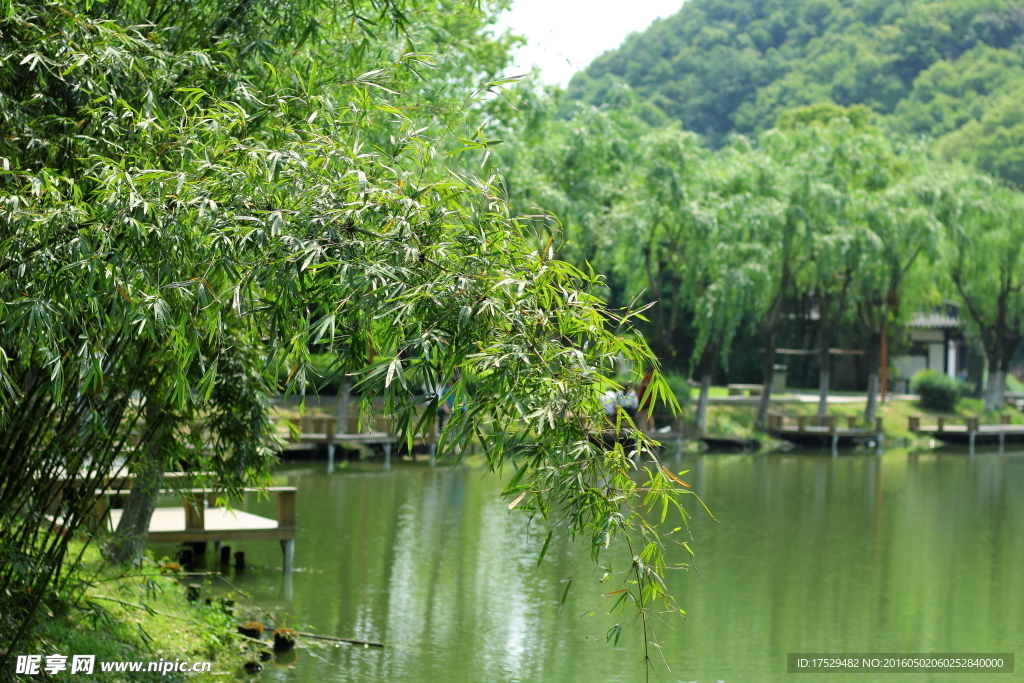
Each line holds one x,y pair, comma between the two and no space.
194,195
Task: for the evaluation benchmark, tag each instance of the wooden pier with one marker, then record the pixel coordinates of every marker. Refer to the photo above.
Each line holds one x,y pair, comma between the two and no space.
194,522
957,429
824,431
742,444
321,430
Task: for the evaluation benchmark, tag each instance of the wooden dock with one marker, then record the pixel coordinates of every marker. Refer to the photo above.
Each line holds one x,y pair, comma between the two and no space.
194,522
960,430
321,430
825,431
731,443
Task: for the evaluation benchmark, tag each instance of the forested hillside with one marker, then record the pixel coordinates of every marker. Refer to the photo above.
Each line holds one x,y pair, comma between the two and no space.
949,69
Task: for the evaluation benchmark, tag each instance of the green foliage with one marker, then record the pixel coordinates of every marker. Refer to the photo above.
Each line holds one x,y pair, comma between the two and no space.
139,615
951,67
983,262
822,114
824,210
995,141
188,205
680,386
937,391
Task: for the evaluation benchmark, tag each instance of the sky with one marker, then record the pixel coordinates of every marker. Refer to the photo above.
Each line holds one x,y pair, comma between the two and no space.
566,35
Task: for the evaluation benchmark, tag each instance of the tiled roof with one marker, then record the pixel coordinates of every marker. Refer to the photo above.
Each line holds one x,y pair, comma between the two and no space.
934,320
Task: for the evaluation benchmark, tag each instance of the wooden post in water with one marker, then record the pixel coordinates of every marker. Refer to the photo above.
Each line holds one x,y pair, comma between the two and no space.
830,422
883,369
879,435
329,426
286,519
288,550
195,510
286,512
972,430
433,441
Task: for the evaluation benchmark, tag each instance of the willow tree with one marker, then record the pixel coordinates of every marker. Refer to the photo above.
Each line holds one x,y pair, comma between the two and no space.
568,174
186,209
662,228
849,177
783,183
731,278
833,257
983,258
896,232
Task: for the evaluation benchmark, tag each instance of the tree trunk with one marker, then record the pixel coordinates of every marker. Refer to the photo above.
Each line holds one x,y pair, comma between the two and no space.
769,379
825,363
996,389
769,327
874,359
707,367
872,406
824,379
129,540
341,407
702,403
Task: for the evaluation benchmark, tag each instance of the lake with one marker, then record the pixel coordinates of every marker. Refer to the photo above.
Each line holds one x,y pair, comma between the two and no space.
908,552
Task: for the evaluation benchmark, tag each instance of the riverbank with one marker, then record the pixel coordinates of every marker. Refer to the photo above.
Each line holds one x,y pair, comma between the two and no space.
734,416
140,616
738,420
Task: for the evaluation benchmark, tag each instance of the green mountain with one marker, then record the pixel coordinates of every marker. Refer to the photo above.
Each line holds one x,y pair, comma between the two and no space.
949,69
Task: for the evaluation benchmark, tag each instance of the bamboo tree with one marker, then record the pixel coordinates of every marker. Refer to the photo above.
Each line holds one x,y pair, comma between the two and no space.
228,208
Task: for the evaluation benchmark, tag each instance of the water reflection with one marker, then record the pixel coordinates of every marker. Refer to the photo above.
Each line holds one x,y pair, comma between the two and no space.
909,552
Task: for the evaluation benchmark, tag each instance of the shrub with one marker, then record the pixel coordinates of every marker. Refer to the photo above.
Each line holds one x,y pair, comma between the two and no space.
937,391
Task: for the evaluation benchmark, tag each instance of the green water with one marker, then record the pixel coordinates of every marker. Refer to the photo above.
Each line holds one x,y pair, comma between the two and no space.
903,553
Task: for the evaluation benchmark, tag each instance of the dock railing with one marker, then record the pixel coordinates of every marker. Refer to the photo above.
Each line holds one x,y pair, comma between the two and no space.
946,425
781,422
943,422
825,426
323,430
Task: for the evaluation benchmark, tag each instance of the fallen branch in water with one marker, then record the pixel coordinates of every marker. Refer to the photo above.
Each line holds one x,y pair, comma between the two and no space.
335,639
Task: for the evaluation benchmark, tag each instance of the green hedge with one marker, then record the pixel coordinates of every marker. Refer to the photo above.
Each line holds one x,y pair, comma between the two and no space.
938,391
